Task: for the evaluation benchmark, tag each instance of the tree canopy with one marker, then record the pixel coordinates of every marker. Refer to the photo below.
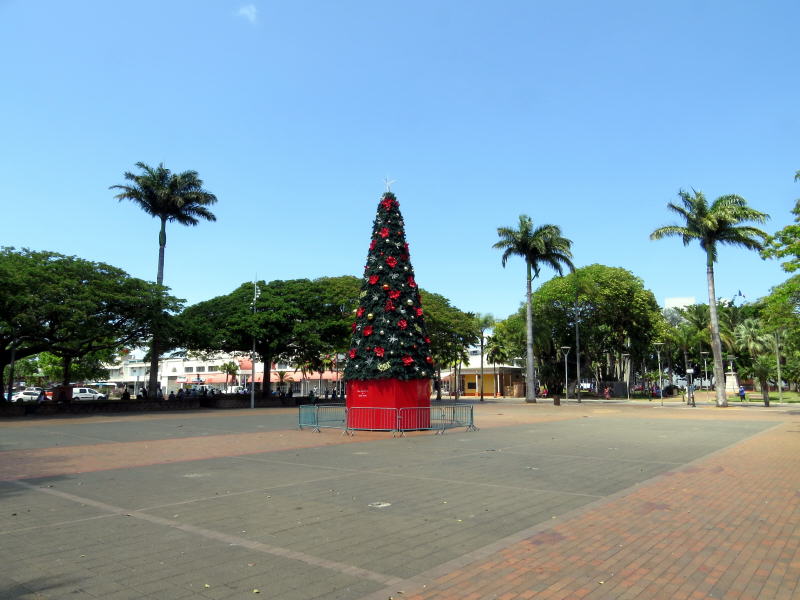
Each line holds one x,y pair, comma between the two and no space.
72,307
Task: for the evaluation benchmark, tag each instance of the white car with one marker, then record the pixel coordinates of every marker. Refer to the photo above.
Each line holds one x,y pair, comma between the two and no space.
25,396
84,393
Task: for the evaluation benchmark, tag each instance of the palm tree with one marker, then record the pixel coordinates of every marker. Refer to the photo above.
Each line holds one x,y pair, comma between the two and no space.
718,223
751,337
231,369
538,247
166,196
483,323
496,352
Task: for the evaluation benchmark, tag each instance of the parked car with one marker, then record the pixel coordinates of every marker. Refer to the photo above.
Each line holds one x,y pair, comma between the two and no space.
25,396
84,393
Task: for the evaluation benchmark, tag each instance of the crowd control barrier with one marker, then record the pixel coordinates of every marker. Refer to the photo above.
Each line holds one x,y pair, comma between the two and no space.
396,420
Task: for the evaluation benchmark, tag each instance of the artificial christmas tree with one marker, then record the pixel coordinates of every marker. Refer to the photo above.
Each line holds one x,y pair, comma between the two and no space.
389,364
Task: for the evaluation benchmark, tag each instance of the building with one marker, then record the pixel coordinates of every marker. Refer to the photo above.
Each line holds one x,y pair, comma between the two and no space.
187,371
498,380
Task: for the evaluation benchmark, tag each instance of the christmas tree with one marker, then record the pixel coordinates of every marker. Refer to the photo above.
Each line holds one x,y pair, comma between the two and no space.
389,339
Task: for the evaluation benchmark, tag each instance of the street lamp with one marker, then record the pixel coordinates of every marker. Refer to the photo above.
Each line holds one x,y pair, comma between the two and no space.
566,380
705,371
660,387
625,355
265,379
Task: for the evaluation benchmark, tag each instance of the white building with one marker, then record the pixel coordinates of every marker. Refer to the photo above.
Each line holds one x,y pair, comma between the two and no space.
187,371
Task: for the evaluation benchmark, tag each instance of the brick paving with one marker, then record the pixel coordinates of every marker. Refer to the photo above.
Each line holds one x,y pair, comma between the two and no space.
595,501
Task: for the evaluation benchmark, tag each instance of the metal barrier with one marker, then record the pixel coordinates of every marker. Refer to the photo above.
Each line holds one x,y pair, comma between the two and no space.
332,416
397,420
371,418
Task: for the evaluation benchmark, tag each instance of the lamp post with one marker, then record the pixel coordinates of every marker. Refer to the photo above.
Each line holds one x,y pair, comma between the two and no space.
705,371
625,356
256,293
778,364
566,379
660,387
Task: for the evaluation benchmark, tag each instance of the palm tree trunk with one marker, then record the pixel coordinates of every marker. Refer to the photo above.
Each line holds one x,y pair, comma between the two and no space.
152,382
530,385
481,366
716,344
765,390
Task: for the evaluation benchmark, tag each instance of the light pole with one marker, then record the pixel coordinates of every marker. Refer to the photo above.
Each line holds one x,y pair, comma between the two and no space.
705,371
660,387
625,355
256,293
731,358
566,380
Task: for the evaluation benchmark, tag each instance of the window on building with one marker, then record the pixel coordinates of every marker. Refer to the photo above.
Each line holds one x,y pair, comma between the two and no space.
201,370
212,368
188,369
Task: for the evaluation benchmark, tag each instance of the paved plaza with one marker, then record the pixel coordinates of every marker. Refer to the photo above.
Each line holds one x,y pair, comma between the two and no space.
596,500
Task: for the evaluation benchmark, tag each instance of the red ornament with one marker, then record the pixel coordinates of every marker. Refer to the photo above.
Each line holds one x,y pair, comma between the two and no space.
379,351
368,330
406,246
384,233
429,360
360,311
353,326
394,294
373,279
427,340
389,305
352,353
372,244
407,360
402,323
411,282
419,312
387,203
391,261
386,286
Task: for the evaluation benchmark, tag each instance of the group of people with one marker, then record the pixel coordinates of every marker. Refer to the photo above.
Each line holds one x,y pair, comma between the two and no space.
142,393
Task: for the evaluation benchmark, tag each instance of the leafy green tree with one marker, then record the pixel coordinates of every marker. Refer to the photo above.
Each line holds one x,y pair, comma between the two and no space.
289,322
539,247
168,197
712,225
786,242
617,315
451,332
72,307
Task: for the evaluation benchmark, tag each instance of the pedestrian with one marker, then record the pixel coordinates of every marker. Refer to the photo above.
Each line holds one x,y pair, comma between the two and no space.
171,396
741,393
139,394
334,396
180,393
159,393
607,393
41,397
126,395
143,390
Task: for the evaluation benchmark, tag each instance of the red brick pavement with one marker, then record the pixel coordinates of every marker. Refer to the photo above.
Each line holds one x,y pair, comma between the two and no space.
725,526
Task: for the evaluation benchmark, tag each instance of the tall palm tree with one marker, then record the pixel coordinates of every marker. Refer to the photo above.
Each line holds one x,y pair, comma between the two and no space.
717,223
167,196
538,247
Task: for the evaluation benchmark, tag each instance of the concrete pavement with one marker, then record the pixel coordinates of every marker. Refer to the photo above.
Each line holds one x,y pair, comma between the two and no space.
593,500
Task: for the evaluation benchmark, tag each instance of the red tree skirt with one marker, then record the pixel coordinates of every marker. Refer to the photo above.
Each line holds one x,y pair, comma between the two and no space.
376,403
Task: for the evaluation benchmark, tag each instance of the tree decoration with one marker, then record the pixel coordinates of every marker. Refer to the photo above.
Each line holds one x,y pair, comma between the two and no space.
389,299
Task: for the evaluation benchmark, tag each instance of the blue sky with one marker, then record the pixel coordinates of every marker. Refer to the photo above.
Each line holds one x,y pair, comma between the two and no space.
588,115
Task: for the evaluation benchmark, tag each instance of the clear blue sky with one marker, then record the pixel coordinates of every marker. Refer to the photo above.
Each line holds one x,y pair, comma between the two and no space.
589,115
